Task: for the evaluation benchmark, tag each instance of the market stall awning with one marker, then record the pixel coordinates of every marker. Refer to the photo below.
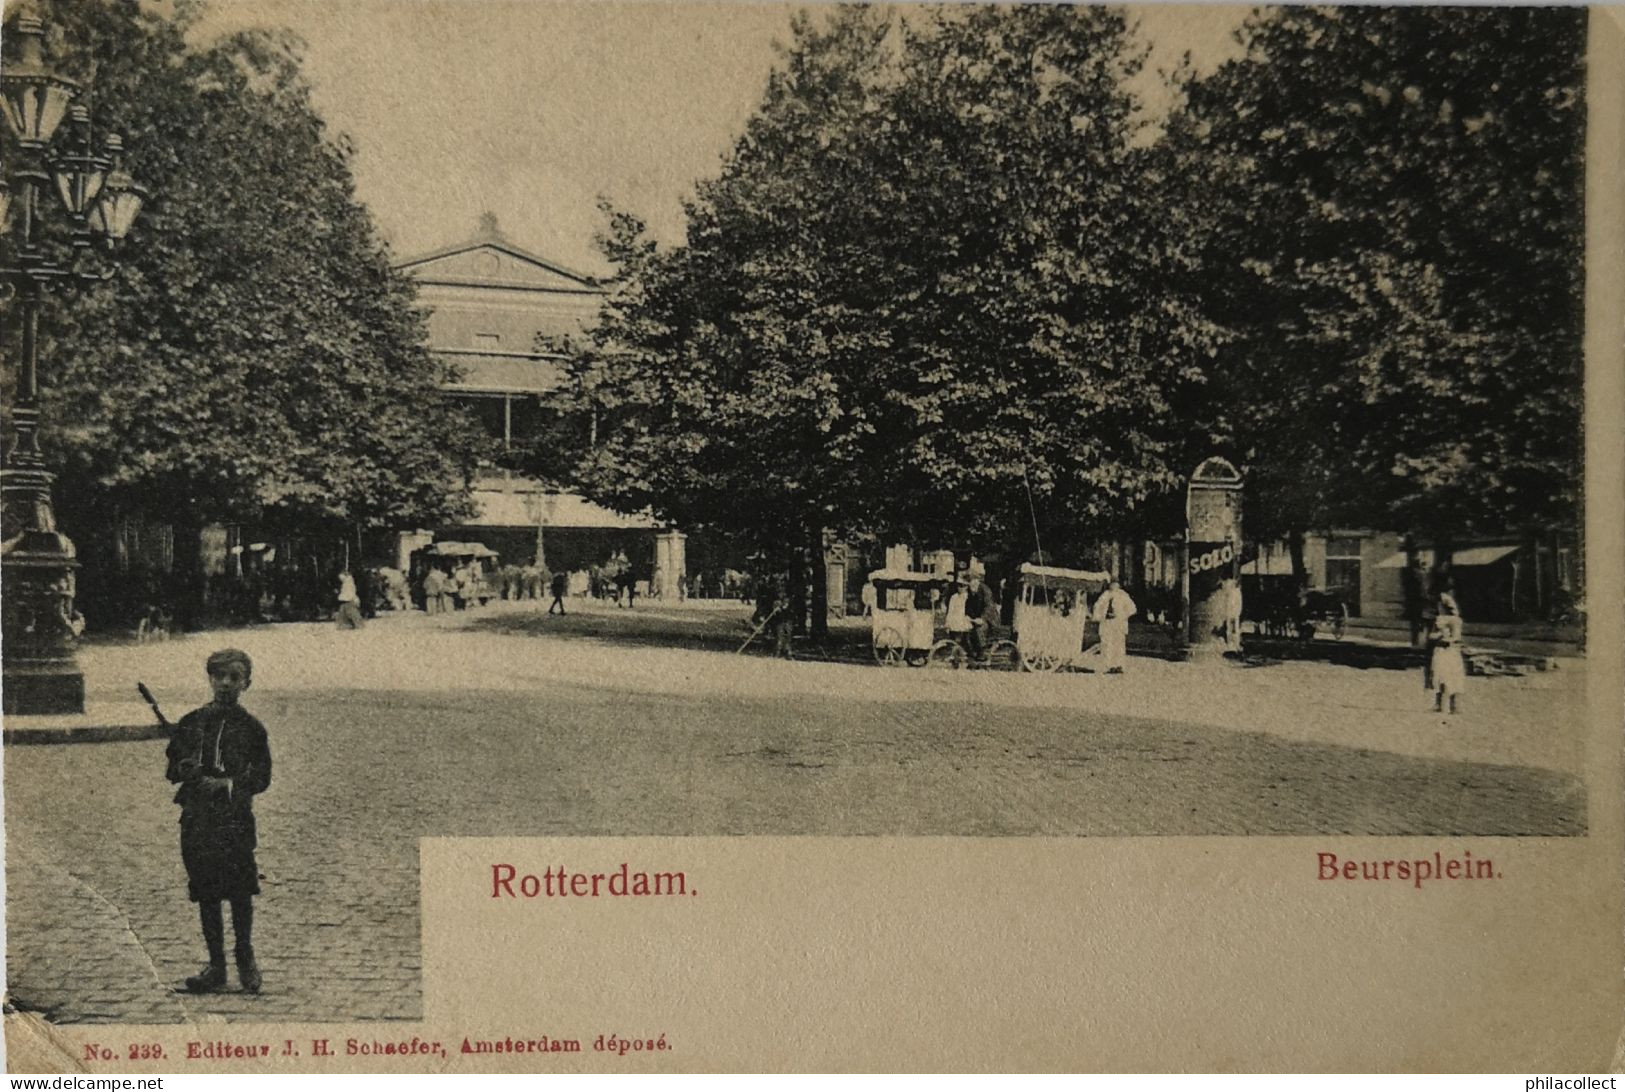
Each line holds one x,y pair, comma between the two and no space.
1461,559
460,549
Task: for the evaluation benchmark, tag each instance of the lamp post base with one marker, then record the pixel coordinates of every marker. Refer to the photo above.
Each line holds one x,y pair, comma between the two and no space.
38,626
31,689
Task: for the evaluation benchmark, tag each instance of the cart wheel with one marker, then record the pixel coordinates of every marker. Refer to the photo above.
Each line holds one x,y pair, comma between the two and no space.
1042,661
888,647
1002,656
947,653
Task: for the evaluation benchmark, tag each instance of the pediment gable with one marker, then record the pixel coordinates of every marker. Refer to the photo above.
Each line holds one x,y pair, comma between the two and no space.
495,263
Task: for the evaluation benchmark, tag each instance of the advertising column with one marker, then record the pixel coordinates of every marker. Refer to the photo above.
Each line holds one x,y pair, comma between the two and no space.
671,562
1213,553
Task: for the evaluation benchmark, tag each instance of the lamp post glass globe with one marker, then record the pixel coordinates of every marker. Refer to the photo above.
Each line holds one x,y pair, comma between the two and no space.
80,173
121,199
35,99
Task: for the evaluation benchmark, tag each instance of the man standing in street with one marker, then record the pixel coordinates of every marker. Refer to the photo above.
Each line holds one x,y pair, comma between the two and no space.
976,600
1232,614
1112,611
434,591
560,585
349,612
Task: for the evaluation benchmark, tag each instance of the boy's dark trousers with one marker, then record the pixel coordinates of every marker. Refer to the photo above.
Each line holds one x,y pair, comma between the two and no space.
242,928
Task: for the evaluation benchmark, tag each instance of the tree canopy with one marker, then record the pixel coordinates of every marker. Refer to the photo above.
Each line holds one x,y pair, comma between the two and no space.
950,286
928,295
1392,234
255,356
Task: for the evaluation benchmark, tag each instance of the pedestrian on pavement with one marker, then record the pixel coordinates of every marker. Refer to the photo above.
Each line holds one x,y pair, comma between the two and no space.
976,604
1232,614
1112,611
783,618
1447,666
957,622
561,584
434,586
220,757
349,613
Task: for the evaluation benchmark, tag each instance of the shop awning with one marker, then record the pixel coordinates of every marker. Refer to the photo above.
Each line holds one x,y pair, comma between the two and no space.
1460,559
460,549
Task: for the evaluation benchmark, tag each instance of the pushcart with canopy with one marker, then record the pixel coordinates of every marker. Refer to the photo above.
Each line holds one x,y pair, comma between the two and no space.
904,626
1051,612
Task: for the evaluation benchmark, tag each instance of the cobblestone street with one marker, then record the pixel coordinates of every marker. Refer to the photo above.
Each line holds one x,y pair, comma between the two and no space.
490,724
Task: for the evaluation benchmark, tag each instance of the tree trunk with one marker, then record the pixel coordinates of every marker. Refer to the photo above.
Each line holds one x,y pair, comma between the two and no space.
1294,545
797,590
184,584
819,628
1444,569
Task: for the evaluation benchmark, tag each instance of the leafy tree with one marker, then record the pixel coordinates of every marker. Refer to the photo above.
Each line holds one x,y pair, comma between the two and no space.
931,294
1395,201
255,357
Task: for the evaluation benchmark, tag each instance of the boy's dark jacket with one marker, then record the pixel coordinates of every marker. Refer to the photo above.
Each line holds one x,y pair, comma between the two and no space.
219,741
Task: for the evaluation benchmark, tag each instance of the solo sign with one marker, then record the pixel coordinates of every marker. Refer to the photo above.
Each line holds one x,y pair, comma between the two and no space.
1213,557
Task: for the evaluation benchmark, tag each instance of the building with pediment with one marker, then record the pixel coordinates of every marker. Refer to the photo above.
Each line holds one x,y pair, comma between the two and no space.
493,309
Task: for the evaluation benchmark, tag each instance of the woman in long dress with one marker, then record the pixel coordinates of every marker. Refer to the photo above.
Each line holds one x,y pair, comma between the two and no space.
1113,610
1449,669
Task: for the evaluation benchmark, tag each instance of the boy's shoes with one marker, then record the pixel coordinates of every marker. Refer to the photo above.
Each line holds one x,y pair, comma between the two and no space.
208,980
248,973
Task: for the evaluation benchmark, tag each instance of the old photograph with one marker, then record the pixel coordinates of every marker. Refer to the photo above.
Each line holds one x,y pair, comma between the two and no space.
1148,427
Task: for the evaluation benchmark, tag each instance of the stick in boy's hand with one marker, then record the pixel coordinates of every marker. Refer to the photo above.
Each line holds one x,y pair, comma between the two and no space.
152,701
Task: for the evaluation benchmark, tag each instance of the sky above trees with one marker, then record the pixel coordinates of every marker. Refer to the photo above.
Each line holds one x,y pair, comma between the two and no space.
534,111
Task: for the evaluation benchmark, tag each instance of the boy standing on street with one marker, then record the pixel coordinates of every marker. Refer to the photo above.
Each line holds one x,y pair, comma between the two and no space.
221,759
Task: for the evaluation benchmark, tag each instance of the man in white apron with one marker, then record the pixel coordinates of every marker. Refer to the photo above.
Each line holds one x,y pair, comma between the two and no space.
1112,611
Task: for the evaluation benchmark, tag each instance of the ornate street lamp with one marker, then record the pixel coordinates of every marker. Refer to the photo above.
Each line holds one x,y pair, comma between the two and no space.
38,628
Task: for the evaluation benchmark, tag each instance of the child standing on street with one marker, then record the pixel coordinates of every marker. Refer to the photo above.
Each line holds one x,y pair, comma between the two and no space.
1447,666
220,758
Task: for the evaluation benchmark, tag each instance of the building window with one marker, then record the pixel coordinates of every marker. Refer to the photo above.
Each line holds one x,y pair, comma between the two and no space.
1343,571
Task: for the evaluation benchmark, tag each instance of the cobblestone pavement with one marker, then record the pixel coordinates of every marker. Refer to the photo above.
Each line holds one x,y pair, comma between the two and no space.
463,726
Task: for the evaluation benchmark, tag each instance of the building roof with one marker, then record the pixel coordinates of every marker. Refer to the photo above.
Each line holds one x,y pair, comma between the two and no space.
1467,557
490,260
